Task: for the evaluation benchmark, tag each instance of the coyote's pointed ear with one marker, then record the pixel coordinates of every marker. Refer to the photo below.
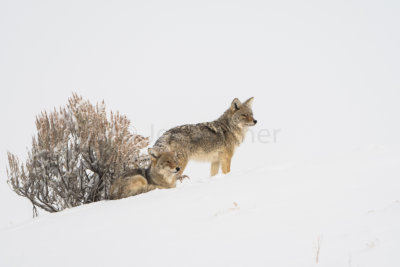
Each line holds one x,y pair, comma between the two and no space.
153,153
249,102
236,104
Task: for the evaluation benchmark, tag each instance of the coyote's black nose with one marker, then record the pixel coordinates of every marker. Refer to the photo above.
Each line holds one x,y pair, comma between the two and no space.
255,121
178,169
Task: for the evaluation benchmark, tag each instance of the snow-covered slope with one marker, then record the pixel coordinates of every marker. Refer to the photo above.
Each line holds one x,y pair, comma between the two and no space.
268,216
325,77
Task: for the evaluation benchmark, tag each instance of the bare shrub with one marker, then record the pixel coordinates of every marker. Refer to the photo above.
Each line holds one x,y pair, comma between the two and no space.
77,153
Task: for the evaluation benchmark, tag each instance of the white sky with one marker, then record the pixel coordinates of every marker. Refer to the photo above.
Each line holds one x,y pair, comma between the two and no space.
325,74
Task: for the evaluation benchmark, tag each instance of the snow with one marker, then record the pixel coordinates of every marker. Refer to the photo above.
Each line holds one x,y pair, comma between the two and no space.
322,164
267,216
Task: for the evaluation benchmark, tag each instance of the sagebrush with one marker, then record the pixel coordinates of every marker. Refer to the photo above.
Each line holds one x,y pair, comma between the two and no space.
77,153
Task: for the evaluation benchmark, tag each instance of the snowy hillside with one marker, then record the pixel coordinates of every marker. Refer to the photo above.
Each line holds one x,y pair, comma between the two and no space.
322,165
269,216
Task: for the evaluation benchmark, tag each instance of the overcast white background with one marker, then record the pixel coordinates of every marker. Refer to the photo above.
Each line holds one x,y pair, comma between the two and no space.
323,73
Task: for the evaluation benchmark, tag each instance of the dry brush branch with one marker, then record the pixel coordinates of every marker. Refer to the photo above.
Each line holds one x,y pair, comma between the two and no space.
77,152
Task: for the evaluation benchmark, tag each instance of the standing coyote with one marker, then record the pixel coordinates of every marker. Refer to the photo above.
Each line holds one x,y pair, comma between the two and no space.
214,141
162,173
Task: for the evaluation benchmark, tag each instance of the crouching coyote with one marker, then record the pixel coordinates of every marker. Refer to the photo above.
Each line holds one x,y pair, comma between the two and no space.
214,141
161,174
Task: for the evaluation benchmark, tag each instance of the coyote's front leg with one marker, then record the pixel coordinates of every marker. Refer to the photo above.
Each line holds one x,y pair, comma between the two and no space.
215,168
226,163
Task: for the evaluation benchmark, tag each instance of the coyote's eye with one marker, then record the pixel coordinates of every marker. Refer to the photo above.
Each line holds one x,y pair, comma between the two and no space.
244,116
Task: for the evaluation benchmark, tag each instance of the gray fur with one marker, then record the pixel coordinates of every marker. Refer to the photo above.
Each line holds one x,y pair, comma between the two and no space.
162,173
213,141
